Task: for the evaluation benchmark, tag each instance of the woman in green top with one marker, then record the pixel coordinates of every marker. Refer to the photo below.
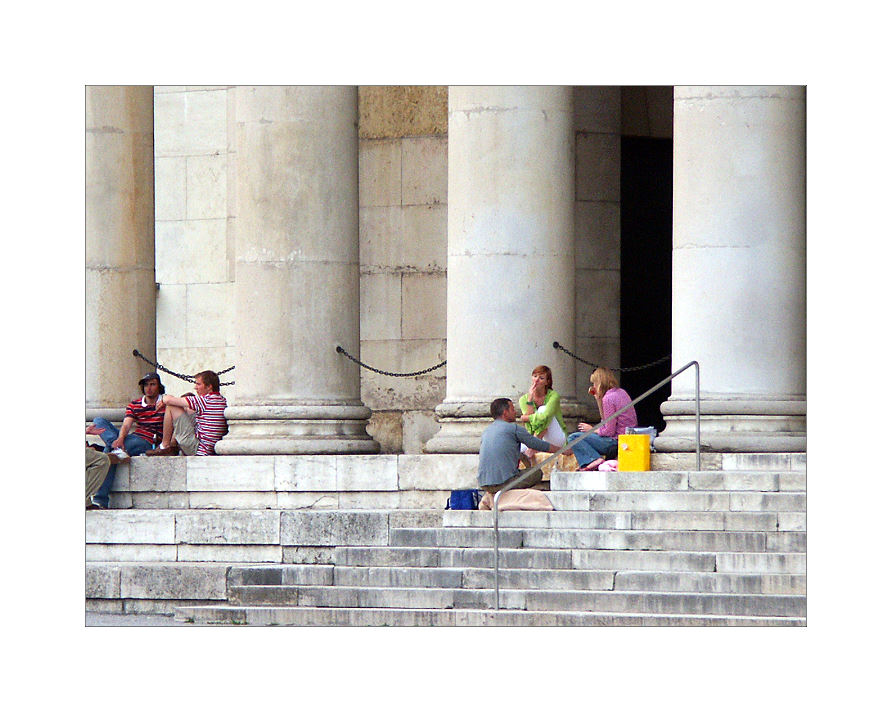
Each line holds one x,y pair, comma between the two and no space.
540,409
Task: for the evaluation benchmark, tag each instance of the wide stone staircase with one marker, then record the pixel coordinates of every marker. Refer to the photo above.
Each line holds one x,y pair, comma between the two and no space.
673,546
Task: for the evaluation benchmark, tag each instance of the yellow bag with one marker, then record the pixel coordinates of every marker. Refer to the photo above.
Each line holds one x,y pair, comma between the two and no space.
634,453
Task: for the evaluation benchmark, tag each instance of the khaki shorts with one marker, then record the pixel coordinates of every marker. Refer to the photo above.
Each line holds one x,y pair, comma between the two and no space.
184,433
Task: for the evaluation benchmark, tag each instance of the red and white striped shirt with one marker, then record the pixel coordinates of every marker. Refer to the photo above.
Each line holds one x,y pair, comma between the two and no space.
149,420
210,425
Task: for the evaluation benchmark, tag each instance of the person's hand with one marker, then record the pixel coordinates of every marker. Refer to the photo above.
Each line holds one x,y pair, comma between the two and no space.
536,393
584,427
118,443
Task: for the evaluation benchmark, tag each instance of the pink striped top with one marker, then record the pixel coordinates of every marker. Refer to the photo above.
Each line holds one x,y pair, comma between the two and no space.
613,400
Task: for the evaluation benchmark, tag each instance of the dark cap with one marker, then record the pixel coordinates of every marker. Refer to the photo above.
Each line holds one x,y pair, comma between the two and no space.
150,377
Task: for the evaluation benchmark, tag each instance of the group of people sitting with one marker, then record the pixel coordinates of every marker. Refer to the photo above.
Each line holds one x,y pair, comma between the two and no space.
192,424
156,424
505,443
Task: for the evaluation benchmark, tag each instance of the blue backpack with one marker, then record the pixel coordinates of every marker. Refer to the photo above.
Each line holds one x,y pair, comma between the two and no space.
464,499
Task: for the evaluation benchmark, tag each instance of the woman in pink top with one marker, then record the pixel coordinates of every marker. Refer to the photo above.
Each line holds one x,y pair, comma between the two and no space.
594,449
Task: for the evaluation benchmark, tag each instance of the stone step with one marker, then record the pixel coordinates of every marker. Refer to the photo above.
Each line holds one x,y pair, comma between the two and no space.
453,557
754,562
588,580
293,616
679,480
727,521
688,501
710,582
548,600
605,559
600,539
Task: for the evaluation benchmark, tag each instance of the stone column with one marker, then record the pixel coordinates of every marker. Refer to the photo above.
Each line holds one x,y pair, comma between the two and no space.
297,274
738,269
120,245
510,262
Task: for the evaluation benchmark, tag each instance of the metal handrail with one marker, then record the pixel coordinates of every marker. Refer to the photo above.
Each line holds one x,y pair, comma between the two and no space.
523,476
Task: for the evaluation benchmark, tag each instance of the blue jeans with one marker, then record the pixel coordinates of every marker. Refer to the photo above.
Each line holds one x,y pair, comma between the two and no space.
593,447
133,445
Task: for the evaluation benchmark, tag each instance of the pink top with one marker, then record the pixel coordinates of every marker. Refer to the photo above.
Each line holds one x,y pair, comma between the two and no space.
613,400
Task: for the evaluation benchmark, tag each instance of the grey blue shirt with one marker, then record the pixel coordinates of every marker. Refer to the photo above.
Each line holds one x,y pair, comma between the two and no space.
500,451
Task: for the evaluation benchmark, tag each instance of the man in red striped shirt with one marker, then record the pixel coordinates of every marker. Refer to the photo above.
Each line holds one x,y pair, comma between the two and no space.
194,423
141,429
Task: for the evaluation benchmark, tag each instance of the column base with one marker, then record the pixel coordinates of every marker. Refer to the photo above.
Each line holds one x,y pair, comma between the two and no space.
734,425
298,430
462,424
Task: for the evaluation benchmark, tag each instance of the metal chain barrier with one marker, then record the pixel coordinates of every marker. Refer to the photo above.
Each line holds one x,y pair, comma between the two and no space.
183,377
388,373
623,370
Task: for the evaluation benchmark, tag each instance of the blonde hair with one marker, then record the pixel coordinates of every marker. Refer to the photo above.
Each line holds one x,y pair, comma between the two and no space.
603,379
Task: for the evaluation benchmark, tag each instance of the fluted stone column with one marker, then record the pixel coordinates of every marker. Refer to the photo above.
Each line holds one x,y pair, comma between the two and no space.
510,262
297,274
120,244
738,270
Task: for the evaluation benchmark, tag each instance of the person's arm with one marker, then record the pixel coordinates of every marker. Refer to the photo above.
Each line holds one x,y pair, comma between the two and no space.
122,433
175,400
535,443
539,420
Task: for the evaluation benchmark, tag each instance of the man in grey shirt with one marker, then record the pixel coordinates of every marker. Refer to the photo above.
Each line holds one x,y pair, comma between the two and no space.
500,447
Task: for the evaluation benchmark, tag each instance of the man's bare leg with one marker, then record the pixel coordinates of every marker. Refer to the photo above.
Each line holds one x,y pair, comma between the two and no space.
171,413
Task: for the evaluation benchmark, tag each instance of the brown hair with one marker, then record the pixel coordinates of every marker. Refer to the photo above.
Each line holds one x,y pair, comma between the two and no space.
209,378
603,379
544,370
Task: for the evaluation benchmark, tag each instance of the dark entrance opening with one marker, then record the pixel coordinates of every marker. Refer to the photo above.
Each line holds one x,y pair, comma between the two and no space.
646,271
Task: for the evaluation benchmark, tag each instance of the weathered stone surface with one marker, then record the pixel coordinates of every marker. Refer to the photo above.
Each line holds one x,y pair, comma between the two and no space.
758,481
174,581
399,111
346,528
158,474
424,170
756,562
366,473
233,500
153,500
419,426
131,552
791,521
308,554
438,472
306,473
240,472
130,527
307,500
780,502
661,501
380,172
230,552
103,580
227,527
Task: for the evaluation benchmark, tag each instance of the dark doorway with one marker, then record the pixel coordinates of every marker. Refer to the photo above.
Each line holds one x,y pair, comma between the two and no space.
646,271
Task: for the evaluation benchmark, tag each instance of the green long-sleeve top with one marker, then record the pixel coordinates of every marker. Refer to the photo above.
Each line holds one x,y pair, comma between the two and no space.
539,420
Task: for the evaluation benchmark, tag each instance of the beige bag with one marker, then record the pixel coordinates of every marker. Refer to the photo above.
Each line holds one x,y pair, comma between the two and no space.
531,500
565,462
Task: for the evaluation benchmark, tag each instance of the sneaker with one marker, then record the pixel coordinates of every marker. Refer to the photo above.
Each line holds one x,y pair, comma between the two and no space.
120,453
96,505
